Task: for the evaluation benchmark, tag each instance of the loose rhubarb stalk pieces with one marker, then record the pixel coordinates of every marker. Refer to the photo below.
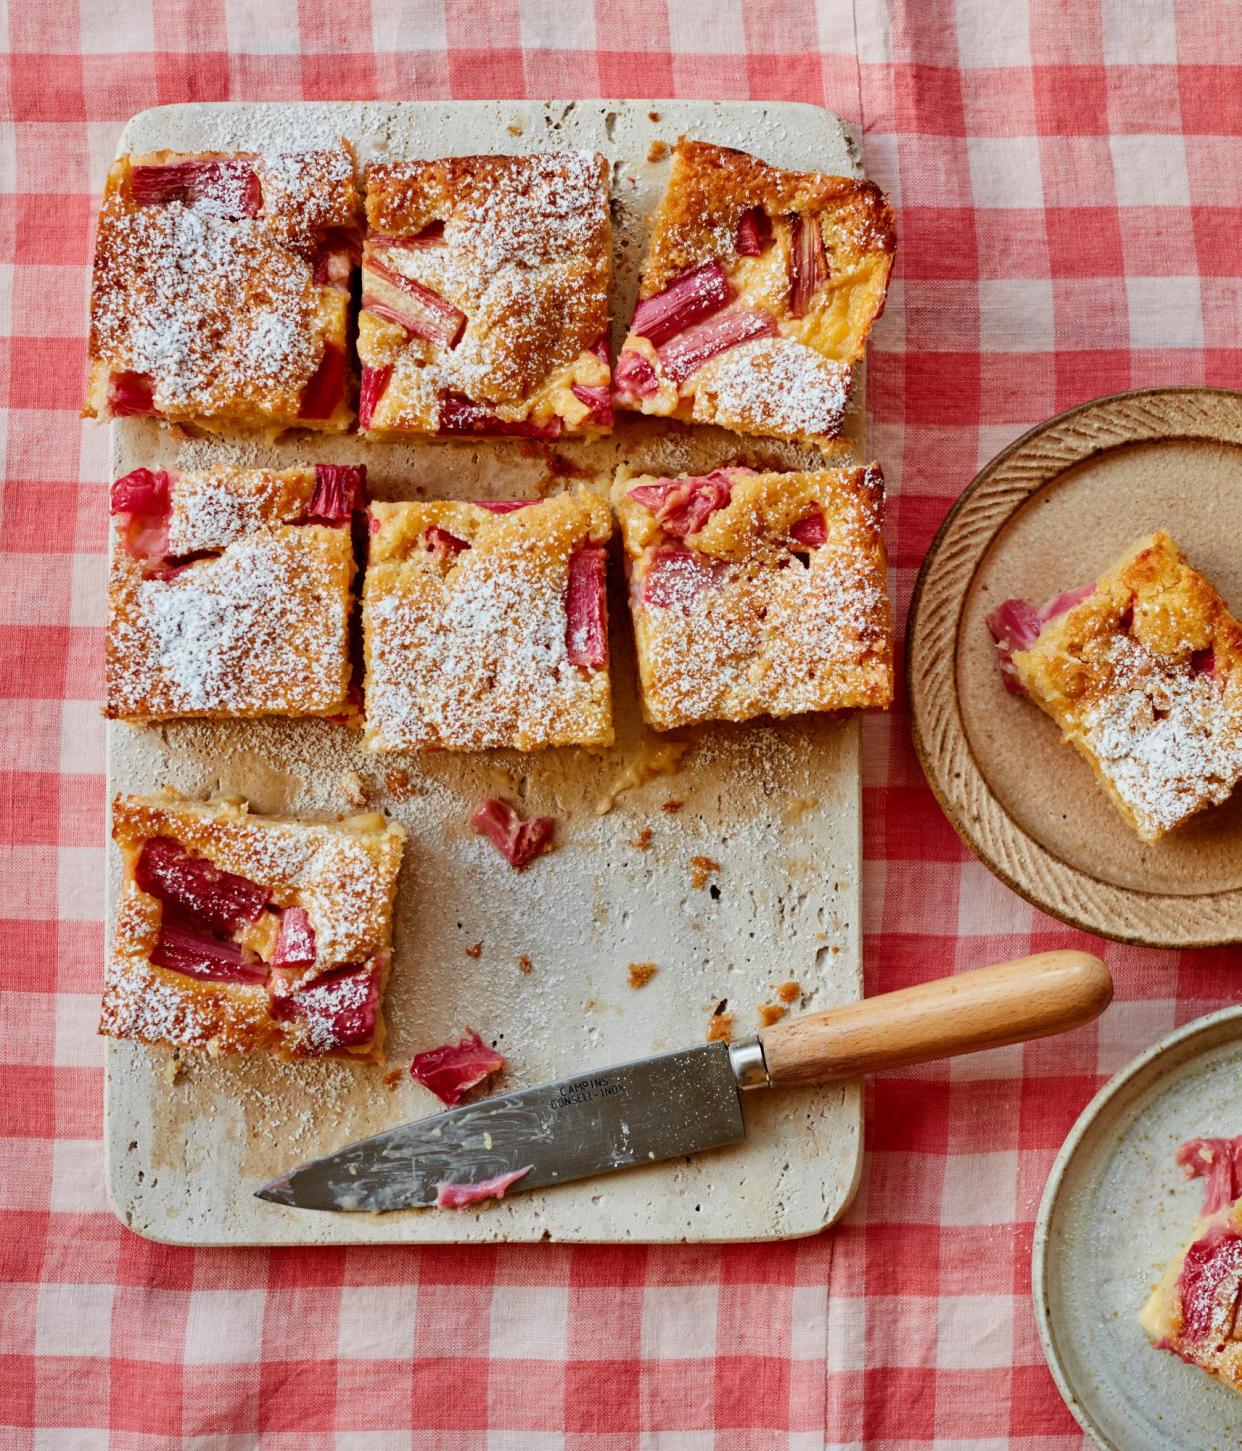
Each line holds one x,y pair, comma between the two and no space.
689,298
220,900
453,1069
1218,1162
518,841
586,608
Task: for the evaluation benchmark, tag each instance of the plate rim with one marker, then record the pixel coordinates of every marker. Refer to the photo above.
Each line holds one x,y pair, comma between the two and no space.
1055,1182
1105,909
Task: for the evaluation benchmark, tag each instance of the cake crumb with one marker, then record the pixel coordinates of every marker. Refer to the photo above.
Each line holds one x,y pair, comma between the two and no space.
173,1070
720,1024
702,868
653,115
641,973
642,841
671,805
657,151
513,129
476,950
392,1078
525,964
770,1013
789,992
399,786
353,788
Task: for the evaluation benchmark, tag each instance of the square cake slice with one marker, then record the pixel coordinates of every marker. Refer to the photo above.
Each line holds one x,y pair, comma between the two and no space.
221,290
230,592
757,593
757,294
1196,1309
1143,673
486,624
485,296
248,934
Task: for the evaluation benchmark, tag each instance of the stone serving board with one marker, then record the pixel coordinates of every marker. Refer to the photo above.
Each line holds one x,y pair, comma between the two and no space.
776,805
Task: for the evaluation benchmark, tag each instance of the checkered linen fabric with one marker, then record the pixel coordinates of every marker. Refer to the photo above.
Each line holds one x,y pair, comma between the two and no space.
1069,190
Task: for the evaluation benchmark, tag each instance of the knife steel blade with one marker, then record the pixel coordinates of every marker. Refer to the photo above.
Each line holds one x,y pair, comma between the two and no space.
651,1109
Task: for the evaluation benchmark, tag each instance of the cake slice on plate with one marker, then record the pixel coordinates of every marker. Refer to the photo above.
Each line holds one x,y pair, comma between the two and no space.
1143,673
244,934
1196,1309
485,624
229,592
757,593
485,296
757,294
221,290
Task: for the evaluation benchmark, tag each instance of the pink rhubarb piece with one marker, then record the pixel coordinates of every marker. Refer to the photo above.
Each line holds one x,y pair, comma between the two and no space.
458,1196
420,311
689,298
808,264
518,841
339,490
374,383
295,942
221,901
688,351
182,948
323,394
754,232
674,578
683,506
586,608
231,187
341,1008
453,1069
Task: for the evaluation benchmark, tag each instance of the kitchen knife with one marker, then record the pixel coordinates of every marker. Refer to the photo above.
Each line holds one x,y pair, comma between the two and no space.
688,1101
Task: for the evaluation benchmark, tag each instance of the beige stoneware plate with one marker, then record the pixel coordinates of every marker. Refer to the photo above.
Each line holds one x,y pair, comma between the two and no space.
1051,512
1116,1210
776,806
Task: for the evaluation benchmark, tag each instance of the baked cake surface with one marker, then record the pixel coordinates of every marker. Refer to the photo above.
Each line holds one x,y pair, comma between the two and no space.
485,296
241,934
221,289
1143,673
758,291
485,624
229,592
757,594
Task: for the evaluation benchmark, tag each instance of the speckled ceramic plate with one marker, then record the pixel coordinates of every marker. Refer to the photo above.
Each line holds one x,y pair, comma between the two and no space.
1116,1210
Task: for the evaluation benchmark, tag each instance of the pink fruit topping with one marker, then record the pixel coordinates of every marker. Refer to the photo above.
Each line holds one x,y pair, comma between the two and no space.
518,841
459,414
184,949
503,506
1218,1162
228,188
420,311
811,531
683,506
598,400
295,942
432,235
808,263
689,298
754,232
1210,1287
634,376
323,394
145,492
689,350
453,1069
1016,625
374,382
339,1009
197,888
458,1196
337,252
586,608
674,578
442,544
339,490
1203,662
131,395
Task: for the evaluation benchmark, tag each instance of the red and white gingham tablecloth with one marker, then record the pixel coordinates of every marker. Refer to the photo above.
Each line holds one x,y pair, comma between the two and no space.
1068,179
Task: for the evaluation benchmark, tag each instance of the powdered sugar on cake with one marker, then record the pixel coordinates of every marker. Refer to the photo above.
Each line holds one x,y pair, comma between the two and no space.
774,386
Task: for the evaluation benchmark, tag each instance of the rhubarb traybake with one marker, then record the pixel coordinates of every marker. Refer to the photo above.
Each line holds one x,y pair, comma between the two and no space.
485,296
1143,673
757,294
242,934
485,624
230,592
1196,1309
221,290
757,594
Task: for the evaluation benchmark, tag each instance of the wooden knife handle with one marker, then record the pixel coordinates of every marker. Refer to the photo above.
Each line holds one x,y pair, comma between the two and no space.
987,1008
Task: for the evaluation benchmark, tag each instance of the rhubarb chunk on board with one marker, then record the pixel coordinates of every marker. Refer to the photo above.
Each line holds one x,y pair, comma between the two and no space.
230,592
238,933
221,290
485,627
1142,671
757,594
758,290
485,297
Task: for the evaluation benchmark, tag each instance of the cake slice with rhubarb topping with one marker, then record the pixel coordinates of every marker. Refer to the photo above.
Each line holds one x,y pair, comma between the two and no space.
222,289
757,593
242,934
485,297
486,624
757,294
230,592
1143,673
1196,1309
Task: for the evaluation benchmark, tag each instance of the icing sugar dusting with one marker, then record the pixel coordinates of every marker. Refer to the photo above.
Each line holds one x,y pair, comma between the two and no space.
775,386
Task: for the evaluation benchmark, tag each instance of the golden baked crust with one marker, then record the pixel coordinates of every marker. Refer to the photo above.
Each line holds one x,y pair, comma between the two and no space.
516,253
1143,677
222,302
469,644
256,623
748,614
790,377
342,874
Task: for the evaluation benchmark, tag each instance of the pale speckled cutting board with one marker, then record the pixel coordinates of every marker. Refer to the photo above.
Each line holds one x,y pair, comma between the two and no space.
776,805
